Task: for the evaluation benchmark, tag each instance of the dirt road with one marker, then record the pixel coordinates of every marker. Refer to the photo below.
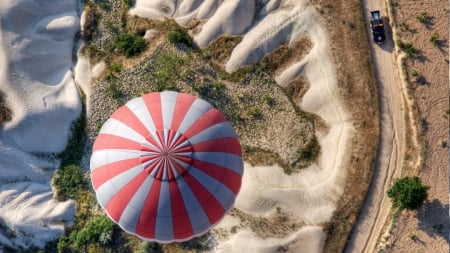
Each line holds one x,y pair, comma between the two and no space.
390,155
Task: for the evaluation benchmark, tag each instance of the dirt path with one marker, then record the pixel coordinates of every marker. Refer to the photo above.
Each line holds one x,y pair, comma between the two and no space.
392,142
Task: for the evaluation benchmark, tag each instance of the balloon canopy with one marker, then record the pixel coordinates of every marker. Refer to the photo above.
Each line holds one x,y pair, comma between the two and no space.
166,166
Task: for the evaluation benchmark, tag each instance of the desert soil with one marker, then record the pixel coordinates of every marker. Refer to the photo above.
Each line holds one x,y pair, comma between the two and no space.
426,230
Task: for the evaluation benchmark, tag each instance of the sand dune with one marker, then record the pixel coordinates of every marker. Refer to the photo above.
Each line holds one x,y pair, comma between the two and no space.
36,43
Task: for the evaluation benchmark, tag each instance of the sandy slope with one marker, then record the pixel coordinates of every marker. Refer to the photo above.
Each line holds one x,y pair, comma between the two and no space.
310,195
36,42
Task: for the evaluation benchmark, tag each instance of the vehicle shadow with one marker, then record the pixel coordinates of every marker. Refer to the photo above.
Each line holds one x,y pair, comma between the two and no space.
433,219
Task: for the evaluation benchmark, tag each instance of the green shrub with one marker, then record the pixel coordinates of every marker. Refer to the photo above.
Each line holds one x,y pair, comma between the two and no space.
5,112
99,229
148,247
130,45
269,100
255,113
404,27
422,17
408,193
74,149
310,152
180,35
128,3
113,90
408,48
115,67
67,181
434,39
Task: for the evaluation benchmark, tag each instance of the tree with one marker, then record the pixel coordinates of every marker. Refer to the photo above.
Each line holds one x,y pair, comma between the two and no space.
408,193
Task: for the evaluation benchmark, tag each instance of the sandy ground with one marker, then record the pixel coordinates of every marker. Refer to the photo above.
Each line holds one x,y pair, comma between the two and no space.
309,196
431,224
36,43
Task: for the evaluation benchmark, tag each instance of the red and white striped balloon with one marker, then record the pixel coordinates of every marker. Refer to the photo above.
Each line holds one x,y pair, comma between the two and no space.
166,166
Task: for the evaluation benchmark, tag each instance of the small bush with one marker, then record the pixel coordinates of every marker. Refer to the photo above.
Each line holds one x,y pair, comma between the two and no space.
310,152
113,89
422,17
74,149
408,48
255,113
434,39
404,27
180,35
128,3
412,236
415,74
269,100
148,247
167,70
423,125
67,181
130,45
115,67
5,112
99,230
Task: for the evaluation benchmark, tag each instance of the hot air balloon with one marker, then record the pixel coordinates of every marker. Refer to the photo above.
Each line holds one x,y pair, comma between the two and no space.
166,166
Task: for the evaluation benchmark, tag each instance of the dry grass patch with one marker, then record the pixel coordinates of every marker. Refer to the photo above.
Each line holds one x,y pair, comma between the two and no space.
286,55
279,225
219,51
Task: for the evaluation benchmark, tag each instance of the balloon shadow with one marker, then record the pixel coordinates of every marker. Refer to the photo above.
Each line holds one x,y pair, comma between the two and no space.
434,220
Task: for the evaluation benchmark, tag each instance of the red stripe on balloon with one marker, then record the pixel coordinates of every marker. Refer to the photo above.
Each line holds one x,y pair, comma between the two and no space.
127,116
147,220
184,159
224,145
170,137
160,135
170,174
181,170
213,209
110,141
120,200
104,173
182,226
153,103
182,149
227,177
182,105
208,119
